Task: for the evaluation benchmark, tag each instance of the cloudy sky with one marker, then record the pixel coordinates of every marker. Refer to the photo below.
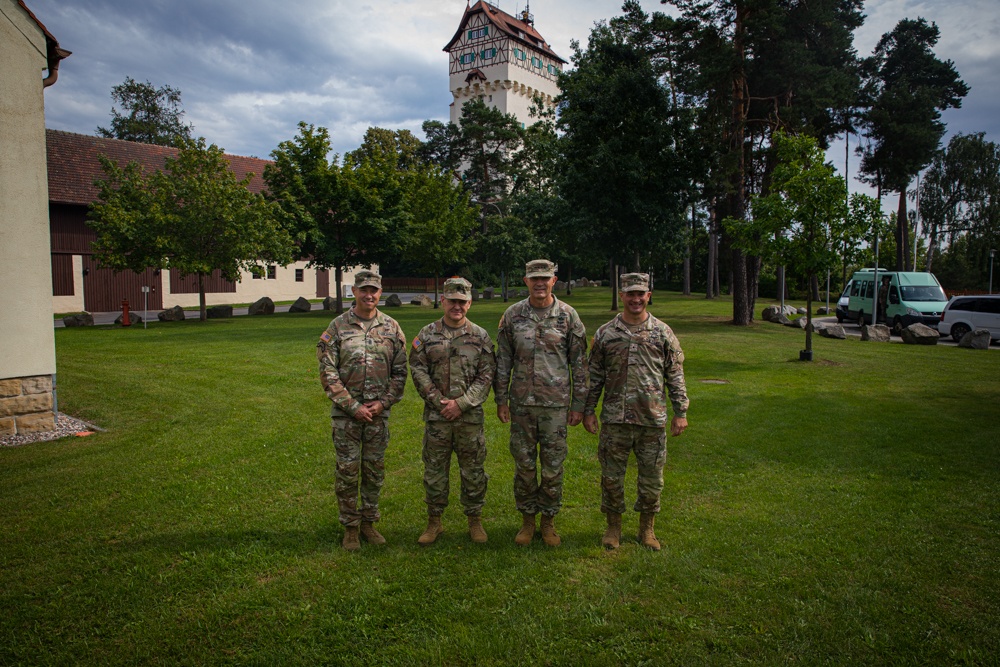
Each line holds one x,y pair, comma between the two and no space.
250,70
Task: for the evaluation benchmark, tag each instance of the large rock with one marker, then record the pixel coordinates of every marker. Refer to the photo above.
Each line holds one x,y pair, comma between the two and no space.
393,301
262,306
301,305
423,301
329,303
919,334
219,312
775,314
801,311
133,318
561,285
799,323
823,310
877,333
175,314
833,331
976,340
488,293
475,294
82,320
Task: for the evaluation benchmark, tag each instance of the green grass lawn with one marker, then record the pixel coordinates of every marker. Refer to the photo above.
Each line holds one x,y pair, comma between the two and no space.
845,511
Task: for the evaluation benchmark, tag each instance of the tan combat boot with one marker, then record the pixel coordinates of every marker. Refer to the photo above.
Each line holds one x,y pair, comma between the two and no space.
646,535
434,528
351,541
476,530
527,532
613,534
369,533
549,535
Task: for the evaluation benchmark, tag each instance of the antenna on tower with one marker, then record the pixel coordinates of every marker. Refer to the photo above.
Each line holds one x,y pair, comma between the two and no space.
526,16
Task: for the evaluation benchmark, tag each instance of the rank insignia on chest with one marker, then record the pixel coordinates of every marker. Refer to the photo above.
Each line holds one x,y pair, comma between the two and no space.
326,337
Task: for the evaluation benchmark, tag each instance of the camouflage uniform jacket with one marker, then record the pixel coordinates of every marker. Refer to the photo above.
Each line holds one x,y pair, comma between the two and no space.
535,358
356,367
637,371
457,366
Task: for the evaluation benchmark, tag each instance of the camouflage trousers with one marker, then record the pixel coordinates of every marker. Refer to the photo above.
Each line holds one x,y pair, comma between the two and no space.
441,438
617,441
538,434
360,448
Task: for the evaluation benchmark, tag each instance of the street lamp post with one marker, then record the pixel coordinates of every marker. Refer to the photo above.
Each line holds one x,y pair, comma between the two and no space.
992,253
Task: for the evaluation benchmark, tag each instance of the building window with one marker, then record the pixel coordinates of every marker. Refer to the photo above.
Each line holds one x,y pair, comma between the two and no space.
487,54
300,275
272,272
467,58
257,272
520,54
536,62
476,33
553,69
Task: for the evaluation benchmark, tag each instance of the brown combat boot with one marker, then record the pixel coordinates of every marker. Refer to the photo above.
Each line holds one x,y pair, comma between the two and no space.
351,541
613,534
476,530
646,535
549,535
369,533
527,532
434,528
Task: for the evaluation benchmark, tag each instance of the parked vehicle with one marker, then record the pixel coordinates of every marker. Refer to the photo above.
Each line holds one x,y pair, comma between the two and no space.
913,297
968,313
843,302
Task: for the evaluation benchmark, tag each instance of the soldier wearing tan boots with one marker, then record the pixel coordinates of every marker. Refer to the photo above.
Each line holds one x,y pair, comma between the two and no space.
540,389
637,362
452,365
362,366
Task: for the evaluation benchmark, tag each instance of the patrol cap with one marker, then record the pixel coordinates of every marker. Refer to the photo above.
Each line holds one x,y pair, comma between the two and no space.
540,268
367,278
635,282
458,288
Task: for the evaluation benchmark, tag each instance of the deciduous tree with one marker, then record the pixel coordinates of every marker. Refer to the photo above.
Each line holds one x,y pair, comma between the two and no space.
147,115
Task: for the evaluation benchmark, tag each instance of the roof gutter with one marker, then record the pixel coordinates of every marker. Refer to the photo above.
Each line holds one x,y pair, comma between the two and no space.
54,55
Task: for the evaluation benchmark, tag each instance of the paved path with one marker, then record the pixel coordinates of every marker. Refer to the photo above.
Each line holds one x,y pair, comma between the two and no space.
109,318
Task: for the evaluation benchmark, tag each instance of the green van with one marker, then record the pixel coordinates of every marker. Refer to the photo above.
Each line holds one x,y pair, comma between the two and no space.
913,297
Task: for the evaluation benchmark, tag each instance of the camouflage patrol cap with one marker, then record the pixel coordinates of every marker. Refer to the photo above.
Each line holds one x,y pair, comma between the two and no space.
635,282
458,288
540,268
367,278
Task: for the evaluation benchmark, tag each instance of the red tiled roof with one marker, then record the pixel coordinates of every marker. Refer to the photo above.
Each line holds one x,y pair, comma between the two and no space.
513,28
73,163
48,35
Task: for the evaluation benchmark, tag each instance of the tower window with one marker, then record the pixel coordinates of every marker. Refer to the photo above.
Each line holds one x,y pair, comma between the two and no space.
467,58
553,69
536,62
520,54
479,32
487,54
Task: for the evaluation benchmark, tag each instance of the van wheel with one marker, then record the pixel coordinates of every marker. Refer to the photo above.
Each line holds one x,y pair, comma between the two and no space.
861,318
897,326
959,330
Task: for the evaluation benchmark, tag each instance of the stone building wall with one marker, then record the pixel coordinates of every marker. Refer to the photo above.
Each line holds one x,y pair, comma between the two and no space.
26,405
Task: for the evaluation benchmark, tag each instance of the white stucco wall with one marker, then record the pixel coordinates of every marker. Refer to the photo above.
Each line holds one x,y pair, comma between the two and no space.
27,341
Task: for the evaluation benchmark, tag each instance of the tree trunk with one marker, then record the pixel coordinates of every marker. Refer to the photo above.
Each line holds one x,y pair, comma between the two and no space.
932,241
613,270
686,278
713,246
569,280
338,275
814,287
436,280
902,235
809,310
202,312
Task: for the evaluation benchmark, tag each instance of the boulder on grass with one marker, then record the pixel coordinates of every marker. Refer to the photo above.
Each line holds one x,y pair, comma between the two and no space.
877,333
219,312
262,306
393,301
423,301
488,293
823,310
133,318
976,340
919,334
475,294
82,320
175,314
833,331
329,303
301,305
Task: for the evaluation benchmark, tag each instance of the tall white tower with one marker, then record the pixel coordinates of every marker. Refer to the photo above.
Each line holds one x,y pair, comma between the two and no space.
502,60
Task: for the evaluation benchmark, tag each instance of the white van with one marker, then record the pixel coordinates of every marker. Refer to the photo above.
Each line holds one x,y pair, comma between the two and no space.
914,296
968,313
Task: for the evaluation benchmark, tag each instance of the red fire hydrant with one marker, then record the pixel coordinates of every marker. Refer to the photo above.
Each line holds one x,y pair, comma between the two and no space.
126,322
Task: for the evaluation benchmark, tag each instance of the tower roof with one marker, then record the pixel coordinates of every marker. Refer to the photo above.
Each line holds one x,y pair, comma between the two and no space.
508,25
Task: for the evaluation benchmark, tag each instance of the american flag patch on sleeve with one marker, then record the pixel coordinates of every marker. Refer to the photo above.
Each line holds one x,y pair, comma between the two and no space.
326,337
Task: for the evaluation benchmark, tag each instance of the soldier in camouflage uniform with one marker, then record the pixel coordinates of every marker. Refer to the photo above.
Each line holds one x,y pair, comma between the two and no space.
637,362
362,366
452,365
541,387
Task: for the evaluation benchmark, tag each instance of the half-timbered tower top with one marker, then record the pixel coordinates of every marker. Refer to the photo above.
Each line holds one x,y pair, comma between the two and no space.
502,60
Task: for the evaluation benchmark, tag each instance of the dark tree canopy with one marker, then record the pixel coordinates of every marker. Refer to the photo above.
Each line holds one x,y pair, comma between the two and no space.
147,115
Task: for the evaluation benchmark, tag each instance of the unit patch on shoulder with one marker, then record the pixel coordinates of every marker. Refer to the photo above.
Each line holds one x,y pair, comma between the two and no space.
326,337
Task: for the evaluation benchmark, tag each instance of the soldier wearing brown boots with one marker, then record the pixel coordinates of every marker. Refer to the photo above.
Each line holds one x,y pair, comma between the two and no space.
637,362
